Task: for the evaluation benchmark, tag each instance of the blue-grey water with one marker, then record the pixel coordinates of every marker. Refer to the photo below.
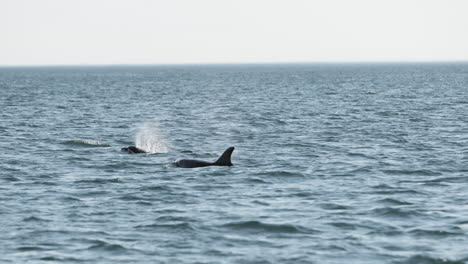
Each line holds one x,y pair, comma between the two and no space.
333,164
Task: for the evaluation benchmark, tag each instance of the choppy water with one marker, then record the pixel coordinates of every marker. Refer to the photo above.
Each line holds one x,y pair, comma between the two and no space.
333,164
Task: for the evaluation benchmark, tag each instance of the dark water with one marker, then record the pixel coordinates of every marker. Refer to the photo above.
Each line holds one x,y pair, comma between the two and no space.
333,164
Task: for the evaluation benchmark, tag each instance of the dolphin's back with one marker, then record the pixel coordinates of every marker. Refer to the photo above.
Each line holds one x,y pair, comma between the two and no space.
133,150
186,163
224,160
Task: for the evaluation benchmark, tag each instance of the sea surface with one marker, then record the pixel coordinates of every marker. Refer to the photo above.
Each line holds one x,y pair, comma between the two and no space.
333,163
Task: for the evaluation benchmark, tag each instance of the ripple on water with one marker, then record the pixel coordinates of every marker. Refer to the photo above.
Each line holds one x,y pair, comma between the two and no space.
390,190
70,199
386,230
424,259
35,219
257,181
31,248
280,173
171,218
344,225
257,226
130,197
412,172
395,212
156,188
99,245
393,201
10,178
437,233
92,193
85,143
62,259
170,228
462,179
334,206
99,181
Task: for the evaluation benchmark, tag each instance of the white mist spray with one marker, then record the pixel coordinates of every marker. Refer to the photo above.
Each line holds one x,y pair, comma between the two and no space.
149,138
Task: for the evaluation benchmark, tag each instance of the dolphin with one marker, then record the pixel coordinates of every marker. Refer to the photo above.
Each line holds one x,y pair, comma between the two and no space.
133,150
224,160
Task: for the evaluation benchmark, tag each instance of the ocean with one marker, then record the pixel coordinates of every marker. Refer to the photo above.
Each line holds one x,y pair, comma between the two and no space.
333,163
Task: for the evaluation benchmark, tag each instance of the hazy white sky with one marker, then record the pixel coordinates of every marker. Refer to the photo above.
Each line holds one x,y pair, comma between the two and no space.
229,31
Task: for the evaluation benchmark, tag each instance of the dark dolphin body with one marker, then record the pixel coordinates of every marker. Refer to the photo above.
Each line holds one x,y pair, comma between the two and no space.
224,160
133,150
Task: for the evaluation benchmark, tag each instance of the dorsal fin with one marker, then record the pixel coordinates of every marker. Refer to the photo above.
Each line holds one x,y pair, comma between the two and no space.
225,159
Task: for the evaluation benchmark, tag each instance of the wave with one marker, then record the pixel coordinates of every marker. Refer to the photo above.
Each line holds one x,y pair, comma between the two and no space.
170,218
412,172
35,219
99,180
333,206
436,233
395,212
280,173
461,179
393,201
259,226
86,143
156,188
168,227
11,178
60,259
31,248
102,245
257,180
432,260
70,199
130,197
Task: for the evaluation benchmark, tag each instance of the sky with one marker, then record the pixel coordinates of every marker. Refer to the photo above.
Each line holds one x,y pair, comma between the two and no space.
61,32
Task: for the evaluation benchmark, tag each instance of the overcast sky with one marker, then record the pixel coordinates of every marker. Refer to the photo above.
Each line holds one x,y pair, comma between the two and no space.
41,32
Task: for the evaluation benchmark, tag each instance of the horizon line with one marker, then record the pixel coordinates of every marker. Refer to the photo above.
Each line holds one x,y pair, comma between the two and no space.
230,63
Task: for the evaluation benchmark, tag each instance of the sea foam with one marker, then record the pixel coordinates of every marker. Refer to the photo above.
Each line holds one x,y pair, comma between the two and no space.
150,138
